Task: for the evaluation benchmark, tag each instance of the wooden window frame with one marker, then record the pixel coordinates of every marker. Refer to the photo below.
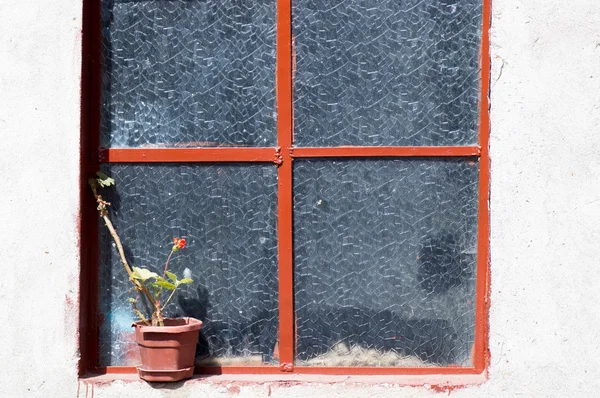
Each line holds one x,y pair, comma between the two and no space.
282,155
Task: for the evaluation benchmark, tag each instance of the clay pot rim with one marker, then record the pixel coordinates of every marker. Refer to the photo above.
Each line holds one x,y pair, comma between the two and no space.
190,324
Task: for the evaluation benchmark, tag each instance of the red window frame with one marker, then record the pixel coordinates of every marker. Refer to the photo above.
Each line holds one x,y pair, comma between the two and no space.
282,155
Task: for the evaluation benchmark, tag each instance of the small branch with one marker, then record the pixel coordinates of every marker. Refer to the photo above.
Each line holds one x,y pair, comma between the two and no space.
140,287
159,316
104,214
140,315
169,299
167,264
117,240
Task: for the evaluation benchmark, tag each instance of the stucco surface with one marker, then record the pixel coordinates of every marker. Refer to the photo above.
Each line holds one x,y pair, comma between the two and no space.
40,52
545,203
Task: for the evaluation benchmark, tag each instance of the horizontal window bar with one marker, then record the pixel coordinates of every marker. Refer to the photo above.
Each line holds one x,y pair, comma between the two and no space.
149,155
386,151
123,370
384,370
307,370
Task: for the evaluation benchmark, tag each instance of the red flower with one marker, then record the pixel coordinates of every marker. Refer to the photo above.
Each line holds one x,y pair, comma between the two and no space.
178,243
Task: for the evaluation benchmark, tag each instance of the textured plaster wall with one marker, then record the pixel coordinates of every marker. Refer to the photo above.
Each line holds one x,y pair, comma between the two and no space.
545,248
40,52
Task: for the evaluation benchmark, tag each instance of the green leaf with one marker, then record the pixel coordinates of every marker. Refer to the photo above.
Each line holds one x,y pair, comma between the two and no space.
166,284
155,289
104,180
143,273
172,276
132,300
106,183
184,281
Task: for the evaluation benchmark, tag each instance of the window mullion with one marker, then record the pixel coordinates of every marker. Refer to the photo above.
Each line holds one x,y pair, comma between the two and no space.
284,224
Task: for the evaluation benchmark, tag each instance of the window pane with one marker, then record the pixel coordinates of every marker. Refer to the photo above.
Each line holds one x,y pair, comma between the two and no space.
385,254
386,72
188,73
227,214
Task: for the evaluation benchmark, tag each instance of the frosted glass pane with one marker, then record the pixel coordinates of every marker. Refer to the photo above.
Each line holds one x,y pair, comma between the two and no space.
385,255
188,73
227,214
386,72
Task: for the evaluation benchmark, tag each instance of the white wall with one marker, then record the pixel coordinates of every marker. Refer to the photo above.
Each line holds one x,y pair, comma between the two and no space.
40,52
545,145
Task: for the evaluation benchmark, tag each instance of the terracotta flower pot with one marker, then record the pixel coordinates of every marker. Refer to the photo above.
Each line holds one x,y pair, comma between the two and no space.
167,351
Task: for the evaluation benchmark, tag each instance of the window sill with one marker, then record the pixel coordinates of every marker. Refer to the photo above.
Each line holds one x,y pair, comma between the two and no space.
438,382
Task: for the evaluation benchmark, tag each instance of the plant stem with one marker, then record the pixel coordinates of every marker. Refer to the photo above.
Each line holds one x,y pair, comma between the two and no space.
167,264
113,232
140,315
117,240
169,299
159,310
159,316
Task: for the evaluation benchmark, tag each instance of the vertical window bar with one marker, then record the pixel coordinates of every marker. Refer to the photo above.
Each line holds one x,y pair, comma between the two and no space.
480,347
284,224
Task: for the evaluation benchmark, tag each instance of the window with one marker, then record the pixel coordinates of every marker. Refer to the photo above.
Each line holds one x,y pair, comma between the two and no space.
327,162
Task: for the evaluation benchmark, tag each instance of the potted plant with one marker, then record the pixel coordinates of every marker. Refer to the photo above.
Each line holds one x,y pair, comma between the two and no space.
167,345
